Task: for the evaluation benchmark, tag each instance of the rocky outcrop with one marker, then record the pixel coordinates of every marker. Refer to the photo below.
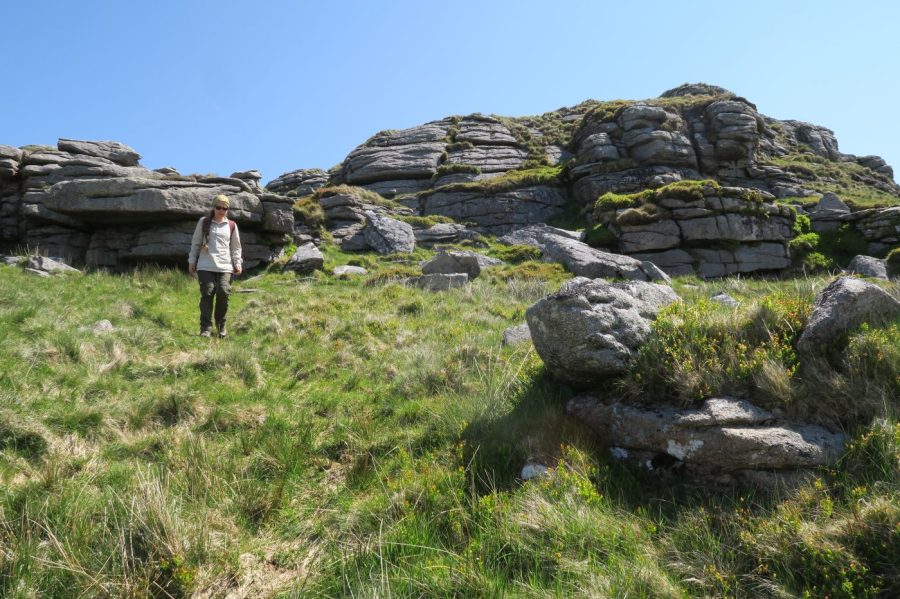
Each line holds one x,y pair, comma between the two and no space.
724,438
591,329
702,228
92,202
558,245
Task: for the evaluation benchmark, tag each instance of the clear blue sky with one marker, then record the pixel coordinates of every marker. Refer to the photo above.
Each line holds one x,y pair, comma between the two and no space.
220,86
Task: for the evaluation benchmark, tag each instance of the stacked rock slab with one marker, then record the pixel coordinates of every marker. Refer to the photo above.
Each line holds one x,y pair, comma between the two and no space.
724,438
704,229
564,247
92,202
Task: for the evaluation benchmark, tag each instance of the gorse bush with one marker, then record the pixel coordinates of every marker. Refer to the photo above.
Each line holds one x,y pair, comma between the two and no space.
701,350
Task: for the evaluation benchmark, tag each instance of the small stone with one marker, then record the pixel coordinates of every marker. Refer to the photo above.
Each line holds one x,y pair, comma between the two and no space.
530,471
347,270
98,328
306,259
517,334
725,299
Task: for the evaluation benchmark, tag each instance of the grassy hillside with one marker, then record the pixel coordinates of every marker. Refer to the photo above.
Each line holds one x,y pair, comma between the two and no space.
361,438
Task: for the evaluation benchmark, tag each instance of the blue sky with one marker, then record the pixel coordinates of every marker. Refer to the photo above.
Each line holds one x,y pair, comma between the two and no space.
220,86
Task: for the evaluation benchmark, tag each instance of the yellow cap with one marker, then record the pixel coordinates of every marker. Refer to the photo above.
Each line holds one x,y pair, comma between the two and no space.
221,200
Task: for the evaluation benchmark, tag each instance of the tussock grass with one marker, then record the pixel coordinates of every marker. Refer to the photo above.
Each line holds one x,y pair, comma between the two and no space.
360,437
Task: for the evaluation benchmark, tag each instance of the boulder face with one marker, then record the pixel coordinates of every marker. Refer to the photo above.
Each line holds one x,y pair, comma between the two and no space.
387,235
591,329
92,202
725,438
499,212
842,306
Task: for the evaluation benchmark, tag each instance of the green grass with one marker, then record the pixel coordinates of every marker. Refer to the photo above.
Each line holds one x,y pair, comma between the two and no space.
361,438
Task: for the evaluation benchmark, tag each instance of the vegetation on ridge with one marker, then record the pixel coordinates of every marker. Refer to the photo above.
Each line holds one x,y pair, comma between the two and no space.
359,437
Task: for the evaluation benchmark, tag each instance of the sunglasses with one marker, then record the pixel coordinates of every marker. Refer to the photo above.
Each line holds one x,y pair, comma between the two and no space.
223,208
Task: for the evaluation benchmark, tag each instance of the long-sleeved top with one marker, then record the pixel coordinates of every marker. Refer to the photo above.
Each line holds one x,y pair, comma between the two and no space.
222,252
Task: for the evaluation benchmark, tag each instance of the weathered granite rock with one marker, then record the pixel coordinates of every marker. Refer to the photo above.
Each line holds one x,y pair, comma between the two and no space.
830,203
500,212
49,265
167,243
517,334
346,271
407,154
110,150
490,159
580,259
723,436
725,299
868,266
439,282
442,233
9,161
123,200
455,261
820,139
844,305
591,329
388,235
300,182
306,259
484,131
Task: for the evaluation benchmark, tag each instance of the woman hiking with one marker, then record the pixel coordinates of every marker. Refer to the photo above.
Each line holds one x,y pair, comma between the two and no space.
215,256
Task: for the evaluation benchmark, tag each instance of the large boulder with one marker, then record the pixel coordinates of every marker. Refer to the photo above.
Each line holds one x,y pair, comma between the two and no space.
306,259
868,266
591,329
388,235
842,306
456,261
724,437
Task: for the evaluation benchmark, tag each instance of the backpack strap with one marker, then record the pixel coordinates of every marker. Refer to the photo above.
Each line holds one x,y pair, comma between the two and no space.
207,223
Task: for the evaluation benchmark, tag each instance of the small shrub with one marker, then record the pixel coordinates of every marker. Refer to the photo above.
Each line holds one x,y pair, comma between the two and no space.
20,439
424,222
600,236
843,244
310,212
892,262
544,271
